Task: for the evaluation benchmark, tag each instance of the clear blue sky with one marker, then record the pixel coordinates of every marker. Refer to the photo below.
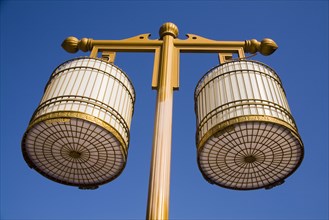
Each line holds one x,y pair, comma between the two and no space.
31,35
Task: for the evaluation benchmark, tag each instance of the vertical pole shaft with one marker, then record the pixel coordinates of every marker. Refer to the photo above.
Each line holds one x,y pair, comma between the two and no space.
159,182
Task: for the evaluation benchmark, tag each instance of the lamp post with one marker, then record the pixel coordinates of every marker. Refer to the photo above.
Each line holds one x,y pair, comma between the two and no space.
111,119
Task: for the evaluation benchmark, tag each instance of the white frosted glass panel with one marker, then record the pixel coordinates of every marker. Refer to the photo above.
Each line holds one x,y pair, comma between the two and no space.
118,98
222,91
207,103
204,102
249,66
235,87
69,82
278,94
58,83
64,83
72,86
78,83
102,87
109,90
228,88
267,110
107,118
84,82
114,92
90,85
211,97
248,85
49,90
242,86
256,67
75,107
114,72
286,105
96,112
202,106
102,66
97,64
243,65
124,105
61,107
96,85
268,86
254,86
121,104
68,106
261,88
239,111
216,93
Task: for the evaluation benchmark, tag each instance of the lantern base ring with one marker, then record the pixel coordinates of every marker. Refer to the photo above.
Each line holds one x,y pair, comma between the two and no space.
64,116
227,125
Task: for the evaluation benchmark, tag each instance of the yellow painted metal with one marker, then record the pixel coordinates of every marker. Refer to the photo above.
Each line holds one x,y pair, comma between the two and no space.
165,80
108,56
193,44
225,57
159,183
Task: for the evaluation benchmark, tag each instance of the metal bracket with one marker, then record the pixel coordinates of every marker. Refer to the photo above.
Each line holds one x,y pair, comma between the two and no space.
108,56
193,44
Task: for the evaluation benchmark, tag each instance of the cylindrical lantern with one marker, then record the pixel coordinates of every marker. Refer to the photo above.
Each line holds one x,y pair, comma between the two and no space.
246,136
79,134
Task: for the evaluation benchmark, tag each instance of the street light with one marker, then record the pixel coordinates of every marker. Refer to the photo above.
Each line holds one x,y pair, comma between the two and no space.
79,134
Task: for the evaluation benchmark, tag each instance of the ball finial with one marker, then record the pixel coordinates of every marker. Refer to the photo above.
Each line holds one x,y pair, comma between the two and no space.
70,44
73,44
168,28
267,46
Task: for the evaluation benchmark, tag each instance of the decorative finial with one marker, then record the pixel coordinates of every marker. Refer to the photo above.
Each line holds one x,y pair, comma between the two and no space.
168,28
72,44
265,47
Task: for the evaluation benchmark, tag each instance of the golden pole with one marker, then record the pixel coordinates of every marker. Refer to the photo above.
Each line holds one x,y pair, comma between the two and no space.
159,182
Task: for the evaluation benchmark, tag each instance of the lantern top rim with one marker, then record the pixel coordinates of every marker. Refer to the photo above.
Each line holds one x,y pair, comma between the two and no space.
99,59
227,63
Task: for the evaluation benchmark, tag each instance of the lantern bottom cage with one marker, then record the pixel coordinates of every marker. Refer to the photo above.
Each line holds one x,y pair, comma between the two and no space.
250,155
74,151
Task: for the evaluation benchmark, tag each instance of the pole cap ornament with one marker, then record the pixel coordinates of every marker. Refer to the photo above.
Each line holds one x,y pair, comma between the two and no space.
266,47
73,44
168,28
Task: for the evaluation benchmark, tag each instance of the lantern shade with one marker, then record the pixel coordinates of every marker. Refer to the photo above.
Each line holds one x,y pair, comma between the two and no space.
246,136
79,134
